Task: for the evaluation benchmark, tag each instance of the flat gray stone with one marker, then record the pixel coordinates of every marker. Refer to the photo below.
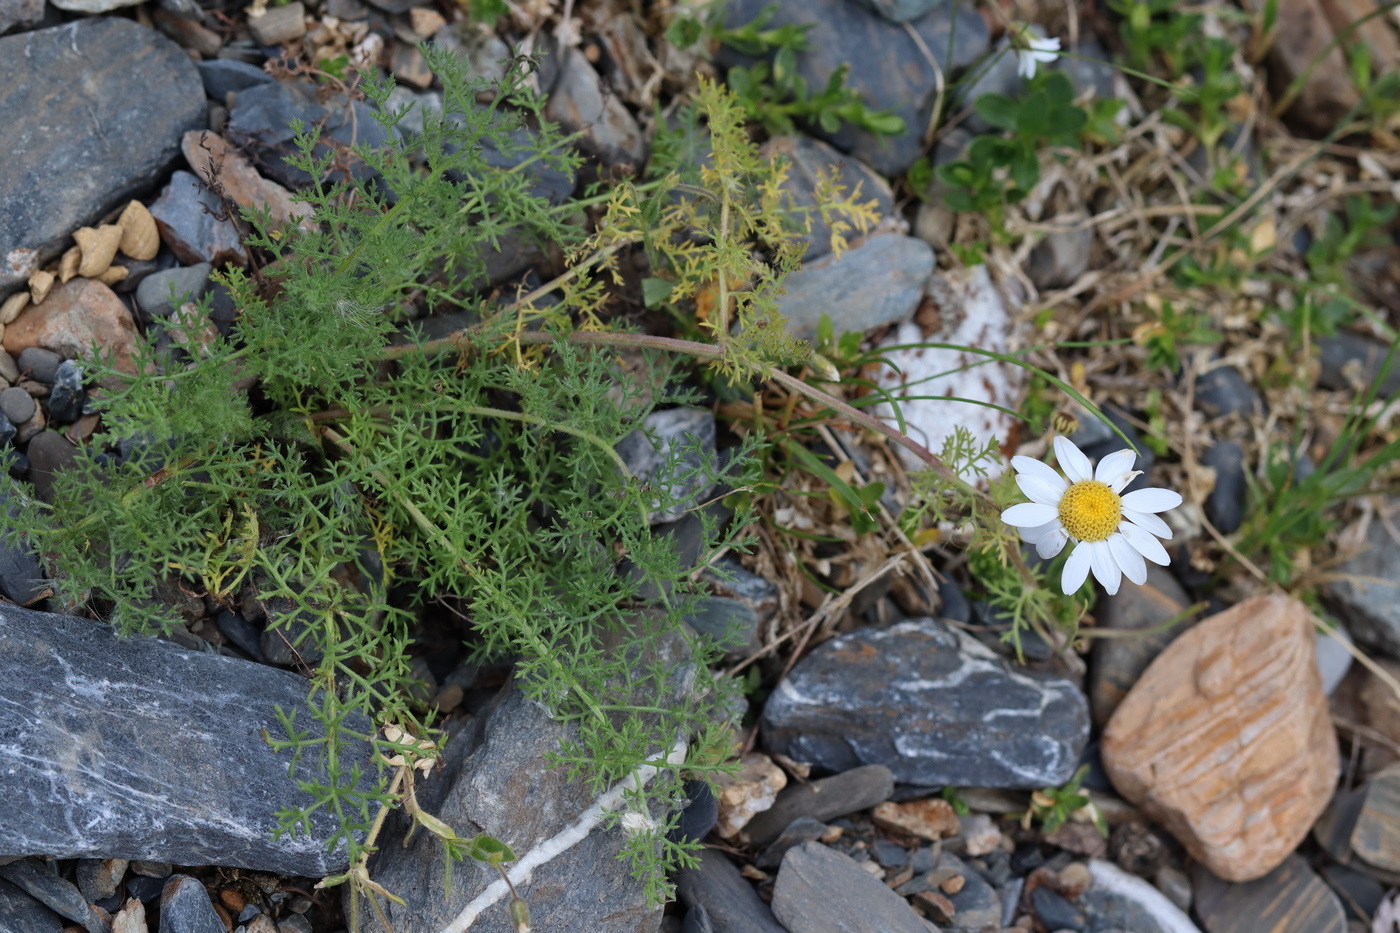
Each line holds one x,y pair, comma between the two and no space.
933,705
1289,899
40,881
498,780
808,160
824,799
888,64
186,283
686,434
128,95
730,902
185,907
879,280
819,890
139,749
23,914
581,104
1362,594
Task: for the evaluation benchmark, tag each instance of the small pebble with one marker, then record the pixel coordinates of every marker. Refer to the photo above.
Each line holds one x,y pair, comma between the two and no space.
39,364
17,404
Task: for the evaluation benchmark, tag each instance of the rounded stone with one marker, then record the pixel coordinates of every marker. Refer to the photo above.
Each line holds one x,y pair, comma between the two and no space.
17,404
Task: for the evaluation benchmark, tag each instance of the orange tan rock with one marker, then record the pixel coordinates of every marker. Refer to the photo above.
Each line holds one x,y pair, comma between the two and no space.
140,238
747,793
932,818
1226,740
210,154
76,316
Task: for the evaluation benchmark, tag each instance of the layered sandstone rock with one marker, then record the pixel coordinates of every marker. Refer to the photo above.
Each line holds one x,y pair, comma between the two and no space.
1226,739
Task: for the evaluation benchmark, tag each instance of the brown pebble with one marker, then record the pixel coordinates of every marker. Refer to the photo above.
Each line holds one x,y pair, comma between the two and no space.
753,874
140,238
831,834
224,917
938,906
113,275
448,698
68,265
13,306
1075,880
39,284
99,246
233,899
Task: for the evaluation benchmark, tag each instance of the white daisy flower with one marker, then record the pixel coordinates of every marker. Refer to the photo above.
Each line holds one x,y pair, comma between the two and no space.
1112,533
1031,50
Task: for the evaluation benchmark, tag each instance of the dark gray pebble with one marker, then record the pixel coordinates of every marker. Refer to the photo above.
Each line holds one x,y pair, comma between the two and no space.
1223,391
99,879
222,75
803,829
1056,913
824,800
1225,504
185,907
731,904
699,815
39,364
18,405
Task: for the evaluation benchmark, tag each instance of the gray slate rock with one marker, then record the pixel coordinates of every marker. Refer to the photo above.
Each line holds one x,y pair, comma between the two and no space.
1362,598
20,14
933,705
808,160
185,907
194,223
887,65
819,890
498,781
977,903
732,624
579,103
803,829
131,94
260,123
1289,899
222,76
49,454
186,283
1062,257
730,903
878,281
99,879
686,435
137,748
23,914
824,799
39,880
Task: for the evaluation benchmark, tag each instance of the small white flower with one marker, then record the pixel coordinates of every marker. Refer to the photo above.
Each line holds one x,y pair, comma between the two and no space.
1031,49
1112,533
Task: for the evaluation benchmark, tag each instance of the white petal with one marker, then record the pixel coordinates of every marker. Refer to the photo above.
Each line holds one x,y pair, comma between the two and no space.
1039,470
1144,543
1072,460
1052,543
1106,569
1151,500
1148,521
1025,65
1112,467
1076,569
1122,481
1048,44
1029,514
1038,490
1129,561
1033,535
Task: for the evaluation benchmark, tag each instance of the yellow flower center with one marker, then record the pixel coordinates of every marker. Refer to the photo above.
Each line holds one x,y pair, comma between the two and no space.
1090,510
